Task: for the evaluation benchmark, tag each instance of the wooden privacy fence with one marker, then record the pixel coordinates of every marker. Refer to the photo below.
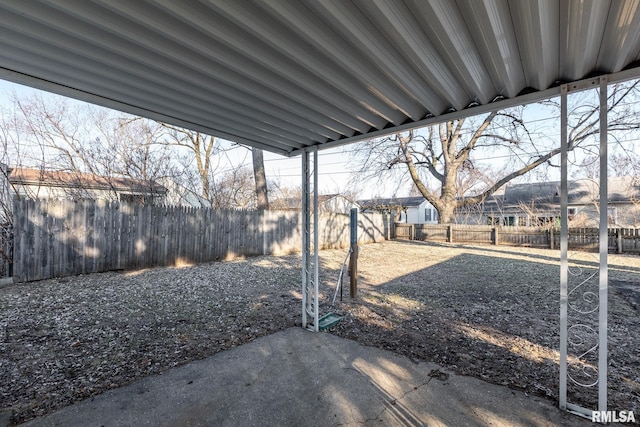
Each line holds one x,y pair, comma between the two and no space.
56,238
620,240
6,251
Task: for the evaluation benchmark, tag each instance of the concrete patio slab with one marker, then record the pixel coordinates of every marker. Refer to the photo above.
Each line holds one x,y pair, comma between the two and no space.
295,377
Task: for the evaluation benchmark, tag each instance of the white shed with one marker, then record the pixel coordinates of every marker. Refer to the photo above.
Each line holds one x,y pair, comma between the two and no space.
411,210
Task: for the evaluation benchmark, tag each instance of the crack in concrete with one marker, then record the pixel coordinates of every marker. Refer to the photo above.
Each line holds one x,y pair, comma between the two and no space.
385,402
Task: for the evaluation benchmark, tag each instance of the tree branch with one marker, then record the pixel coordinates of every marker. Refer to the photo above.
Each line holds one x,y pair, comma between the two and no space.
466,201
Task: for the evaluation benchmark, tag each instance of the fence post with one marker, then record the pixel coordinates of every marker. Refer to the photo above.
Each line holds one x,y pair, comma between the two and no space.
388,225
551,238
450,233
619,239
496,239
353,261
263,229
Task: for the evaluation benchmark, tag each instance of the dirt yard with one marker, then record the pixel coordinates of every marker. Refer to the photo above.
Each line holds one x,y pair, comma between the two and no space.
486,311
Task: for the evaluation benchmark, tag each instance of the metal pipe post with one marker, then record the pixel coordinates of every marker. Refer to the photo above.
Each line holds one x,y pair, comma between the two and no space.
353,261
305,236
604,247
564,246
310,271
316,310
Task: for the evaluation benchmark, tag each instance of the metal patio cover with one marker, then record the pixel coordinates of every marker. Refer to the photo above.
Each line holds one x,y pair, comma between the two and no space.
285,75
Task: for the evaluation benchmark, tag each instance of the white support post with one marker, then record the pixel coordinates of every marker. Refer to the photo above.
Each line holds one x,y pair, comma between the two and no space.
310,271
604,247
316,230
603,253
564,246
305,236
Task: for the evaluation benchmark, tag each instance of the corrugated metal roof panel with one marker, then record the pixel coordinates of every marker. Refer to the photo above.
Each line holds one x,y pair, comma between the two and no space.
582,27
492,30
536,28
285,75
620,45
455,46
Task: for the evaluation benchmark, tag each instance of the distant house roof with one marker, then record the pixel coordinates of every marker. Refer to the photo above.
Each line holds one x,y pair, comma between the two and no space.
47,178
579,192
541,194
391,203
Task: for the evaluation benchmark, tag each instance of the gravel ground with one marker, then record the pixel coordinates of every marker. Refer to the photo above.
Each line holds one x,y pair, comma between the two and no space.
486,311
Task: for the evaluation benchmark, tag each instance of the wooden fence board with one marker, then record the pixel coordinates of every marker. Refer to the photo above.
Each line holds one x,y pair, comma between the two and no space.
56,238
620,240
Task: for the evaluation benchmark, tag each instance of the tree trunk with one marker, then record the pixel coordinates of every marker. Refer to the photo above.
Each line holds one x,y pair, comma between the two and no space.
260,178
445,213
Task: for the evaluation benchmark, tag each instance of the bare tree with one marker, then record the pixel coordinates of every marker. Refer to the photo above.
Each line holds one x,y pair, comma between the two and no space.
202,149
234,189
622,163
11,147
84,139
70,137
283,196
260,179
441,160
220,181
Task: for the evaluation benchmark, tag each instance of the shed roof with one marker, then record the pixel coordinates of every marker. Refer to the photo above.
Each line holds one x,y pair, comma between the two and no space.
79,180
285,75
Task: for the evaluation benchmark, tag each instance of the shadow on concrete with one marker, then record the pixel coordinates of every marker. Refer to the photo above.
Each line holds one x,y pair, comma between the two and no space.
295,377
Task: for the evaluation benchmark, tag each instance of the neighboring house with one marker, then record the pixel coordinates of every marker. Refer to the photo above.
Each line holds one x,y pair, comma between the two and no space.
534,204
44,184
327,203
412,210
178,195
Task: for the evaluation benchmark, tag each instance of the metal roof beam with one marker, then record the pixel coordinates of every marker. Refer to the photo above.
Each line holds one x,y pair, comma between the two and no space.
291,74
